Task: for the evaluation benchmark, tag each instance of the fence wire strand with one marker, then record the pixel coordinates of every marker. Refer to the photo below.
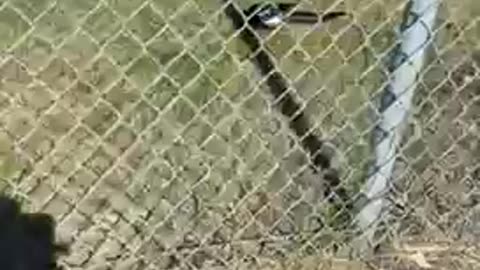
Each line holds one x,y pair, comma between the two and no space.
147,129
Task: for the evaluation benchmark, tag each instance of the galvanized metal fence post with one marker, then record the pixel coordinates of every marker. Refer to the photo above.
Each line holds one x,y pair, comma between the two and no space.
416,34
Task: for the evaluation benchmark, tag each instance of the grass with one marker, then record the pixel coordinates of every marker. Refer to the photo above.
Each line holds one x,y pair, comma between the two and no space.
148,119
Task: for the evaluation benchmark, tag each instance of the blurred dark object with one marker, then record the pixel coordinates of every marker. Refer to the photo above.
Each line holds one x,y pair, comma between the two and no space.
27,240
269,15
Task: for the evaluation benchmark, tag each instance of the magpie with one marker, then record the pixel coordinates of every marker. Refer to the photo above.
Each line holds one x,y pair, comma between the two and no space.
269,15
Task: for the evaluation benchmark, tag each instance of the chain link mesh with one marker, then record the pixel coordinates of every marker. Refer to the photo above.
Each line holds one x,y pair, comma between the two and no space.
144,128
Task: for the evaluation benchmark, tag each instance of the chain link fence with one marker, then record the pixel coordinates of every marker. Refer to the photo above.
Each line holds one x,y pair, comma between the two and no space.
156,142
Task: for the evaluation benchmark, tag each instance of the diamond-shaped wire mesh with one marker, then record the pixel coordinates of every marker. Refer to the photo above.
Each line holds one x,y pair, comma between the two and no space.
156,143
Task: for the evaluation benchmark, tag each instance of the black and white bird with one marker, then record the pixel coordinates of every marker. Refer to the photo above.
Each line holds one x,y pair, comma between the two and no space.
269,15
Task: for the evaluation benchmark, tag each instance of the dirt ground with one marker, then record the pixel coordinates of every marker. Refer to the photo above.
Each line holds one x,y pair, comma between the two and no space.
144,129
